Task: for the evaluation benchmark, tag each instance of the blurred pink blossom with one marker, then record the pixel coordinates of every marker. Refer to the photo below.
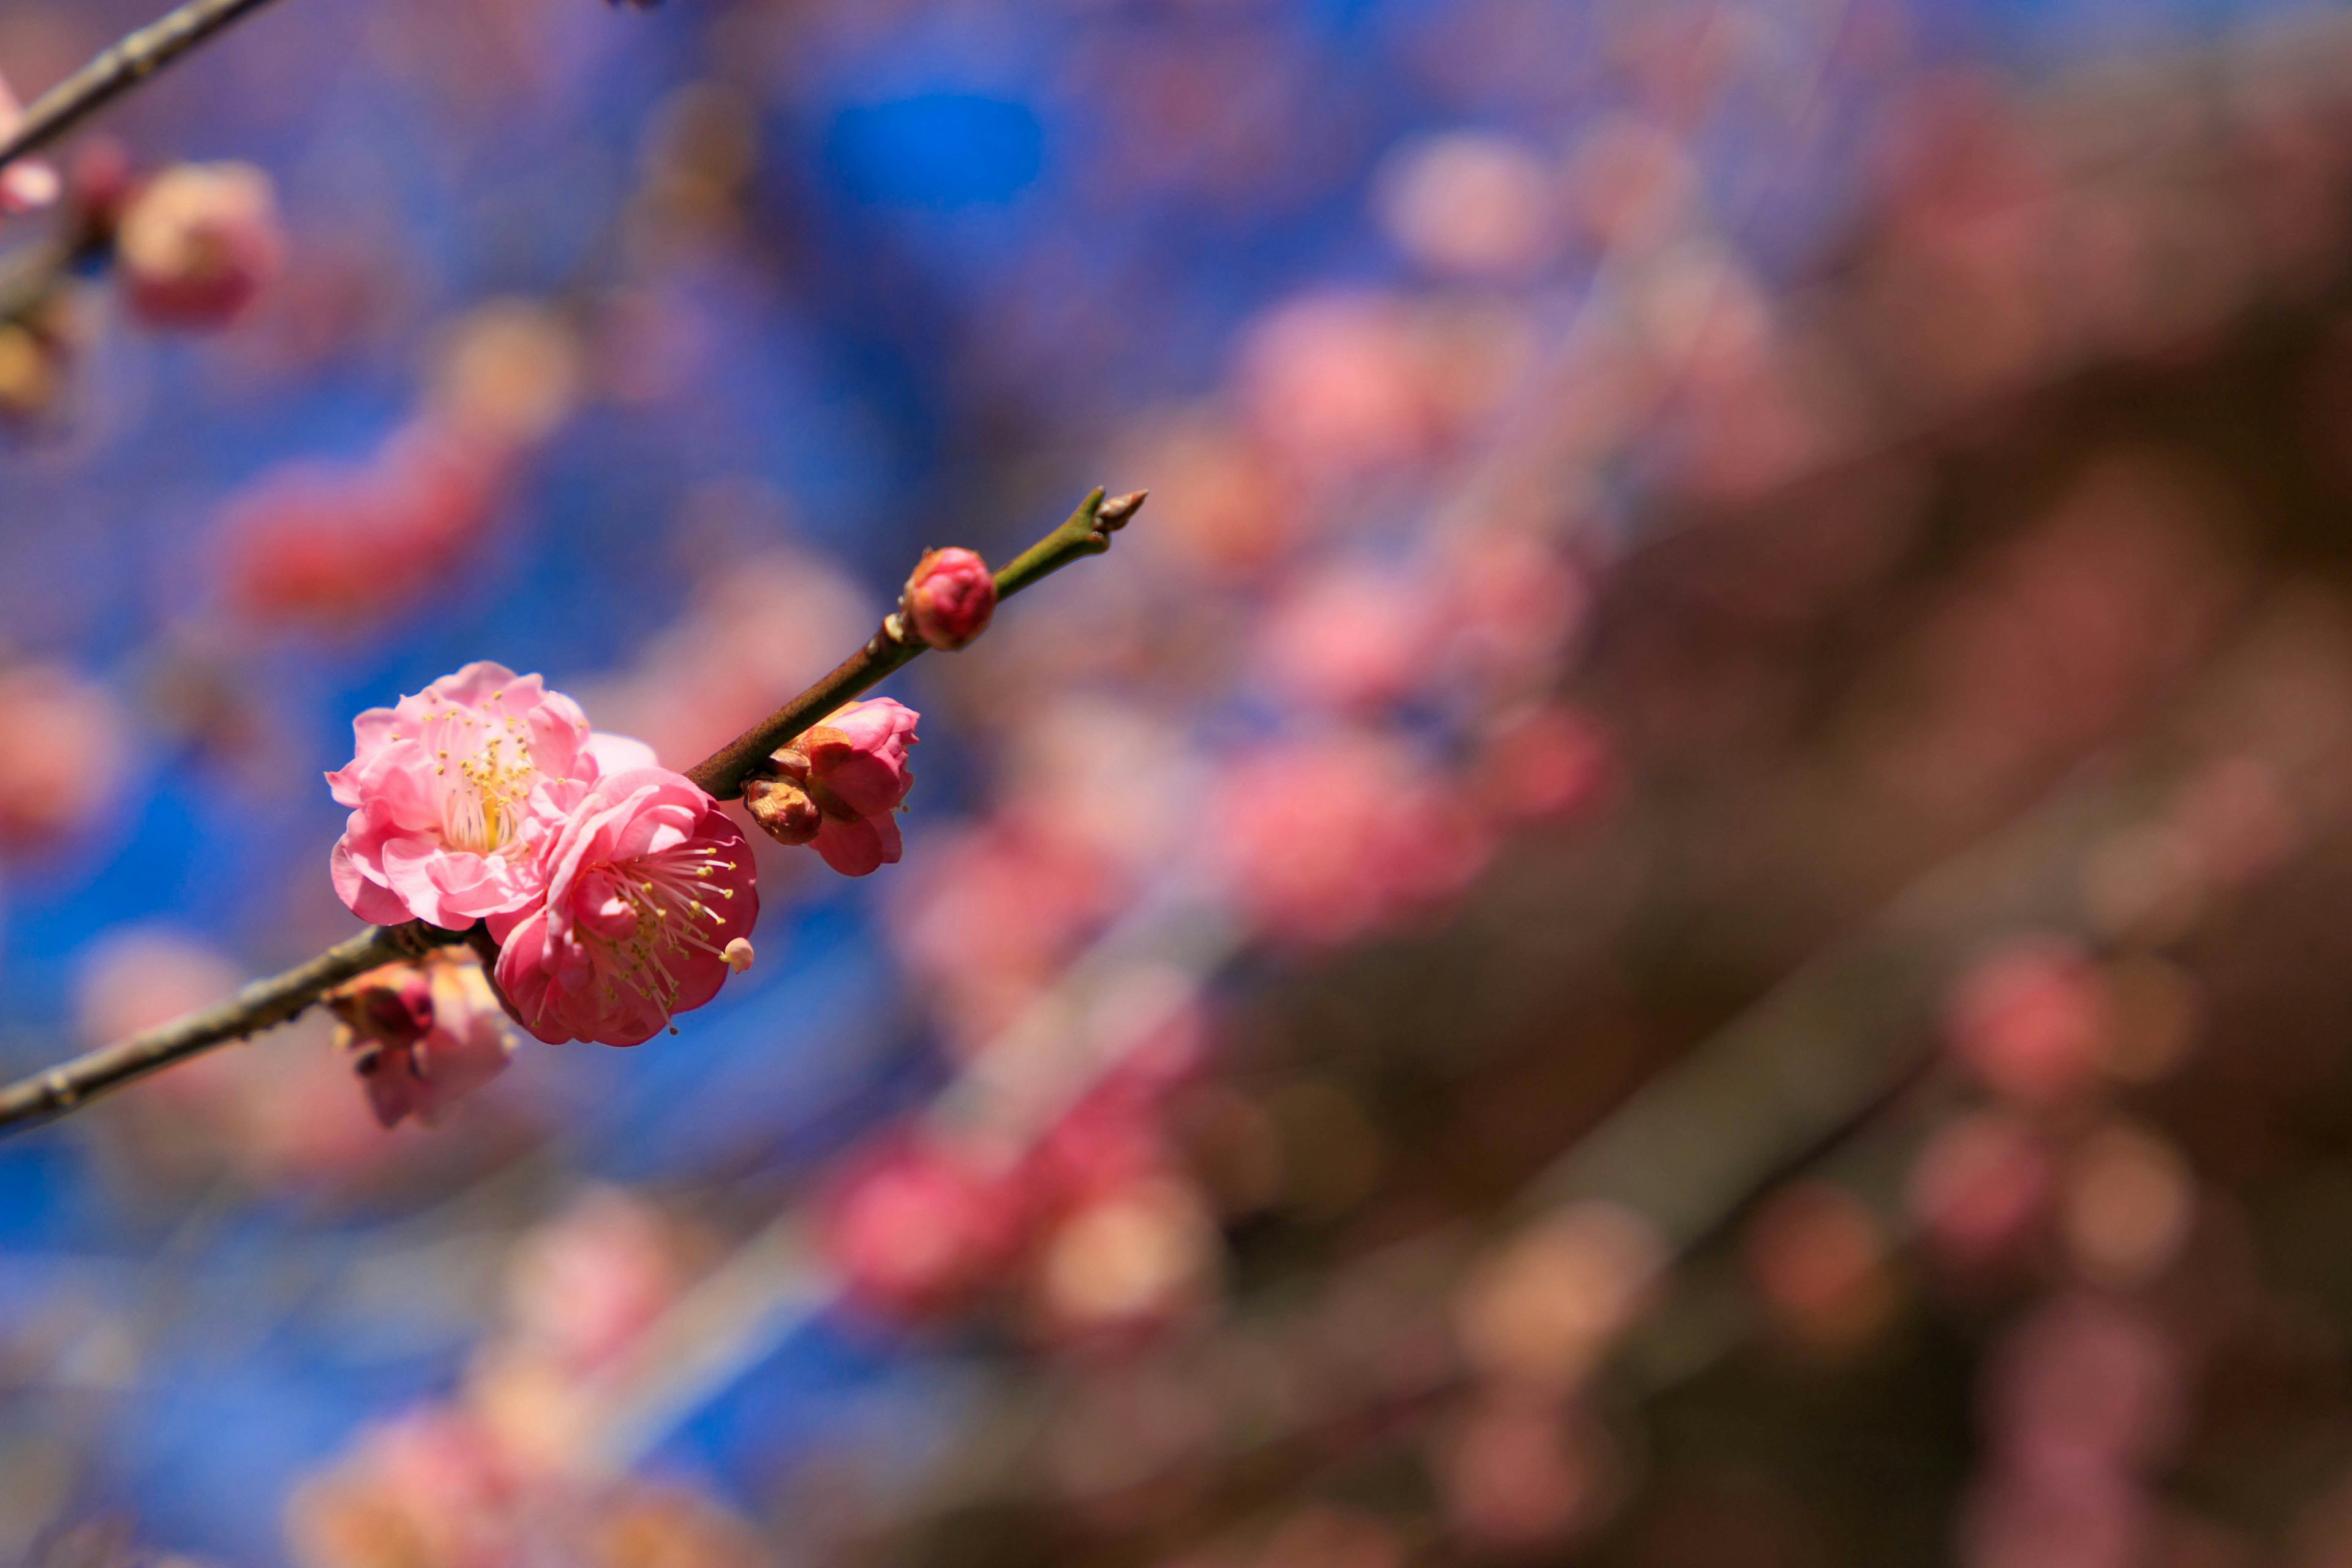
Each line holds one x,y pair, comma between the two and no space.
1334,383
1980,1187
1351,637
584,1286
949,598
2030,1020
63,745
197,242
1470,204
1546,763
423,1035
992,910
647,890
1327,839
915,1228
324,546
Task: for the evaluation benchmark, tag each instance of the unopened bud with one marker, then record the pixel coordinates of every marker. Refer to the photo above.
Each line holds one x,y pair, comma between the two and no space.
781,808
950,598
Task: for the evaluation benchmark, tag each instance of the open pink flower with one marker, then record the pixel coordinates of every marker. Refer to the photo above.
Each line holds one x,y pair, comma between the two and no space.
648,903
839,786
423,1035
440,789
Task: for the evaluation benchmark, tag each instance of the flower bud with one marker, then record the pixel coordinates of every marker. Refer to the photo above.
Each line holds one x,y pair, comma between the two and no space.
950,598
197,242
783,809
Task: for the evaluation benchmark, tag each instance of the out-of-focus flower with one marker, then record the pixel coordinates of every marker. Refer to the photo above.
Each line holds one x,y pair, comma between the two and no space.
1979,1187
2030,1021
1328,839
1334,383
916,1228
196,244
429,1488
1237,509
992,910
1351,637
324,546
63,745
1126,1262
38,351
949,598
2129,1205
1471,204
1546,763
508,372
27,183
1819,1258
761,620
423,1035
441,786
1552,1300
647,886
1518,1472
584,1286
2087,1378
839,786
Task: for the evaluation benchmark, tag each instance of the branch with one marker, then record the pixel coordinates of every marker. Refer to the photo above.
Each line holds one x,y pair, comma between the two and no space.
117,69
266,1003
1087,531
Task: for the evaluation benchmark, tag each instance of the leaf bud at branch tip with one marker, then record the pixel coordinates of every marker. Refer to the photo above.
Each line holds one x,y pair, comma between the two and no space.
1115,513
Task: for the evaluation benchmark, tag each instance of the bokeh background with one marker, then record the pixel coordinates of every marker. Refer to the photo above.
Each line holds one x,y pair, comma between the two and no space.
1682,901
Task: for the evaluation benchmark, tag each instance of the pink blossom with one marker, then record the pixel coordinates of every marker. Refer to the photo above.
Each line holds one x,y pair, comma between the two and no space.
2031,1020
583,1287
839,786
333,546
649,892
1547,763
423,1036
995,909
197,243
63,745
442,786
1328,839
916,1228
950,598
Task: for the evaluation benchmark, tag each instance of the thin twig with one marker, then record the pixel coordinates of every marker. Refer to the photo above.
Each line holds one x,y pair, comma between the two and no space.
267,1003
1087,531
264,1004
117,69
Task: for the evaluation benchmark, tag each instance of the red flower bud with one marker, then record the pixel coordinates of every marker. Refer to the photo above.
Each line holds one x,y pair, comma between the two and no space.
950,598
